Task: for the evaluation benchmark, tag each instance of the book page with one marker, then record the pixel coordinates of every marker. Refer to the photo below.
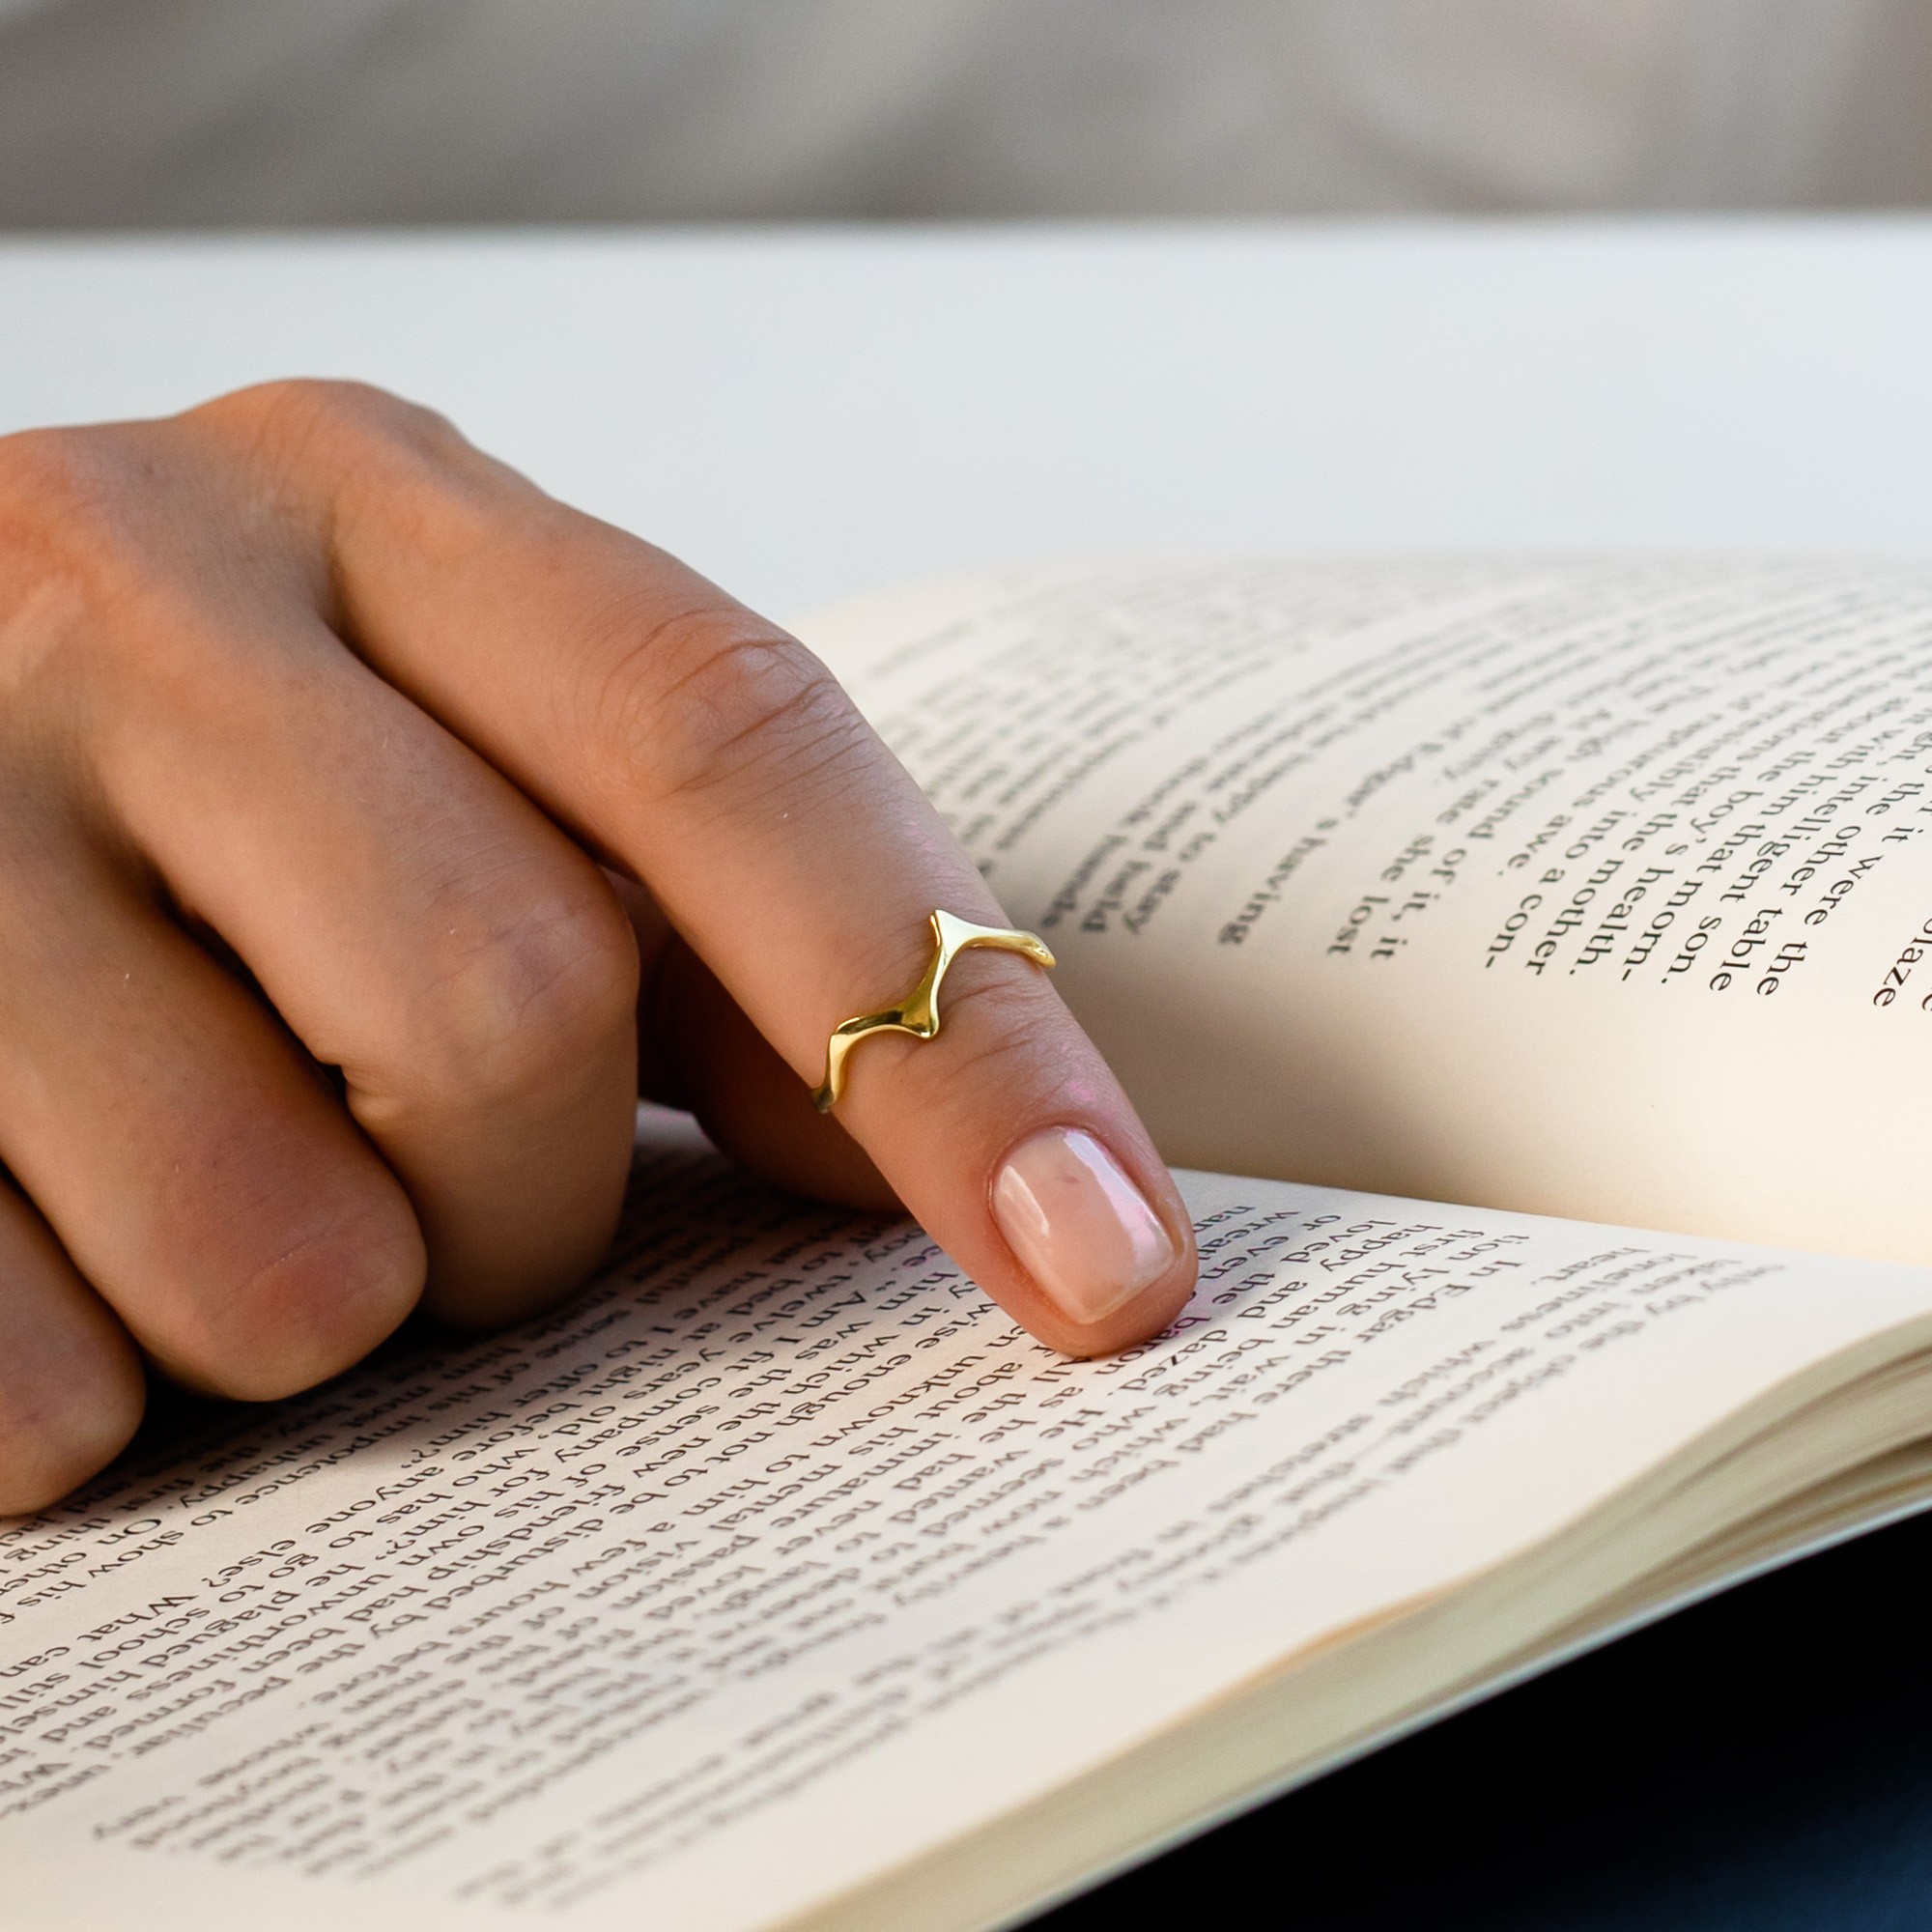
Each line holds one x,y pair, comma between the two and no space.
781,1556
1598,888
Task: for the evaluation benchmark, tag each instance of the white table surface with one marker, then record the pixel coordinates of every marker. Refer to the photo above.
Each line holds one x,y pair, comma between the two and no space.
807,413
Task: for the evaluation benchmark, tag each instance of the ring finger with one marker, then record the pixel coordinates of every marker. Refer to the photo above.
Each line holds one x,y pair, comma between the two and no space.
194,1167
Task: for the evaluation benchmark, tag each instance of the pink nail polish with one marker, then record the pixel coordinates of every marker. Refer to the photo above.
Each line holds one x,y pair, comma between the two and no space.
1079,1226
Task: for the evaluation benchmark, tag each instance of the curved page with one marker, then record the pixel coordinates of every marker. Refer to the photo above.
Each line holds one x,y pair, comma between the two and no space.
780,1560
1588,888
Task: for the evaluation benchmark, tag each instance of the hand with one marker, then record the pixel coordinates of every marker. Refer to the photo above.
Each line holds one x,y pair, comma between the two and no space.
319,732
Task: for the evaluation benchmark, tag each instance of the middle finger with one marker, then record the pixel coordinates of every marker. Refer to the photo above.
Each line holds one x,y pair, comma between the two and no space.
420,925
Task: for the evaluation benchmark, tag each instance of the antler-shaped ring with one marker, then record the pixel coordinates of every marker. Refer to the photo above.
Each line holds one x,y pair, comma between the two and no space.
918,1012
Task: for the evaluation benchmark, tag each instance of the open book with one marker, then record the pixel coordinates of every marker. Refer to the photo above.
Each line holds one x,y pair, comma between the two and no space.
778,1581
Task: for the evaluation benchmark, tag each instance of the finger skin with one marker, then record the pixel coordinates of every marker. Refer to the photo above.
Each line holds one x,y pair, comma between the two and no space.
72,1391
418,923
195,1169
697,748
697,1050
748,1100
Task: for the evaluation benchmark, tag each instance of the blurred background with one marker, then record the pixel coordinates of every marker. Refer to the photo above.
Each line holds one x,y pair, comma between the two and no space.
128,113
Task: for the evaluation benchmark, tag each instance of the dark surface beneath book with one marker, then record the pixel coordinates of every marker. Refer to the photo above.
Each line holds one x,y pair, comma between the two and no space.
1762,1761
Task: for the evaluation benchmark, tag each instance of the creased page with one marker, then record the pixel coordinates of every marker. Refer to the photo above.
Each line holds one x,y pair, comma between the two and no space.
1598,888
781,1556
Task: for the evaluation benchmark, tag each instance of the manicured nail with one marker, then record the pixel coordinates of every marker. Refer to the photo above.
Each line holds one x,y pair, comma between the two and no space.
1080,1226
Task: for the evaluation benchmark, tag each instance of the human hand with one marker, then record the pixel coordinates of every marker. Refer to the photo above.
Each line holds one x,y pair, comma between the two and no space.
318,729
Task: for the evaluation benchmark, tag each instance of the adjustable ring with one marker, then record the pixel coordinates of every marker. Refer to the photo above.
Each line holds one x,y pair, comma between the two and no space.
918,1012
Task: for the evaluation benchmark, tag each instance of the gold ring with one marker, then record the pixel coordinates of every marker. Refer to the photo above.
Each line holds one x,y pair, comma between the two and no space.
918,1012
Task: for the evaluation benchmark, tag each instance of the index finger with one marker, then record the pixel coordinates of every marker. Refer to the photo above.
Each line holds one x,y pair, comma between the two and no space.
708,753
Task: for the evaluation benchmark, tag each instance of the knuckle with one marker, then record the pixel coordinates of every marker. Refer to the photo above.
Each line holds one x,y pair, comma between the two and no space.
549,989
300,409
49,473
710,700
67,493
128,552
304,438
77,544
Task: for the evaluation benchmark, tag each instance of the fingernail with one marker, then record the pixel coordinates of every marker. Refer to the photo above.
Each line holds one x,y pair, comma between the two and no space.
1081,1228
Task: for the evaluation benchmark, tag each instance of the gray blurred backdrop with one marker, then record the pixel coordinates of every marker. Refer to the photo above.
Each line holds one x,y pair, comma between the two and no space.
216,112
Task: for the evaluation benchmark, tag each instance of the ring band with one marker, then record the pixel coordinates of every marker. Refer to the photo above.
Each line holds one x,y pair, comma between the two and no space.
918,1012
